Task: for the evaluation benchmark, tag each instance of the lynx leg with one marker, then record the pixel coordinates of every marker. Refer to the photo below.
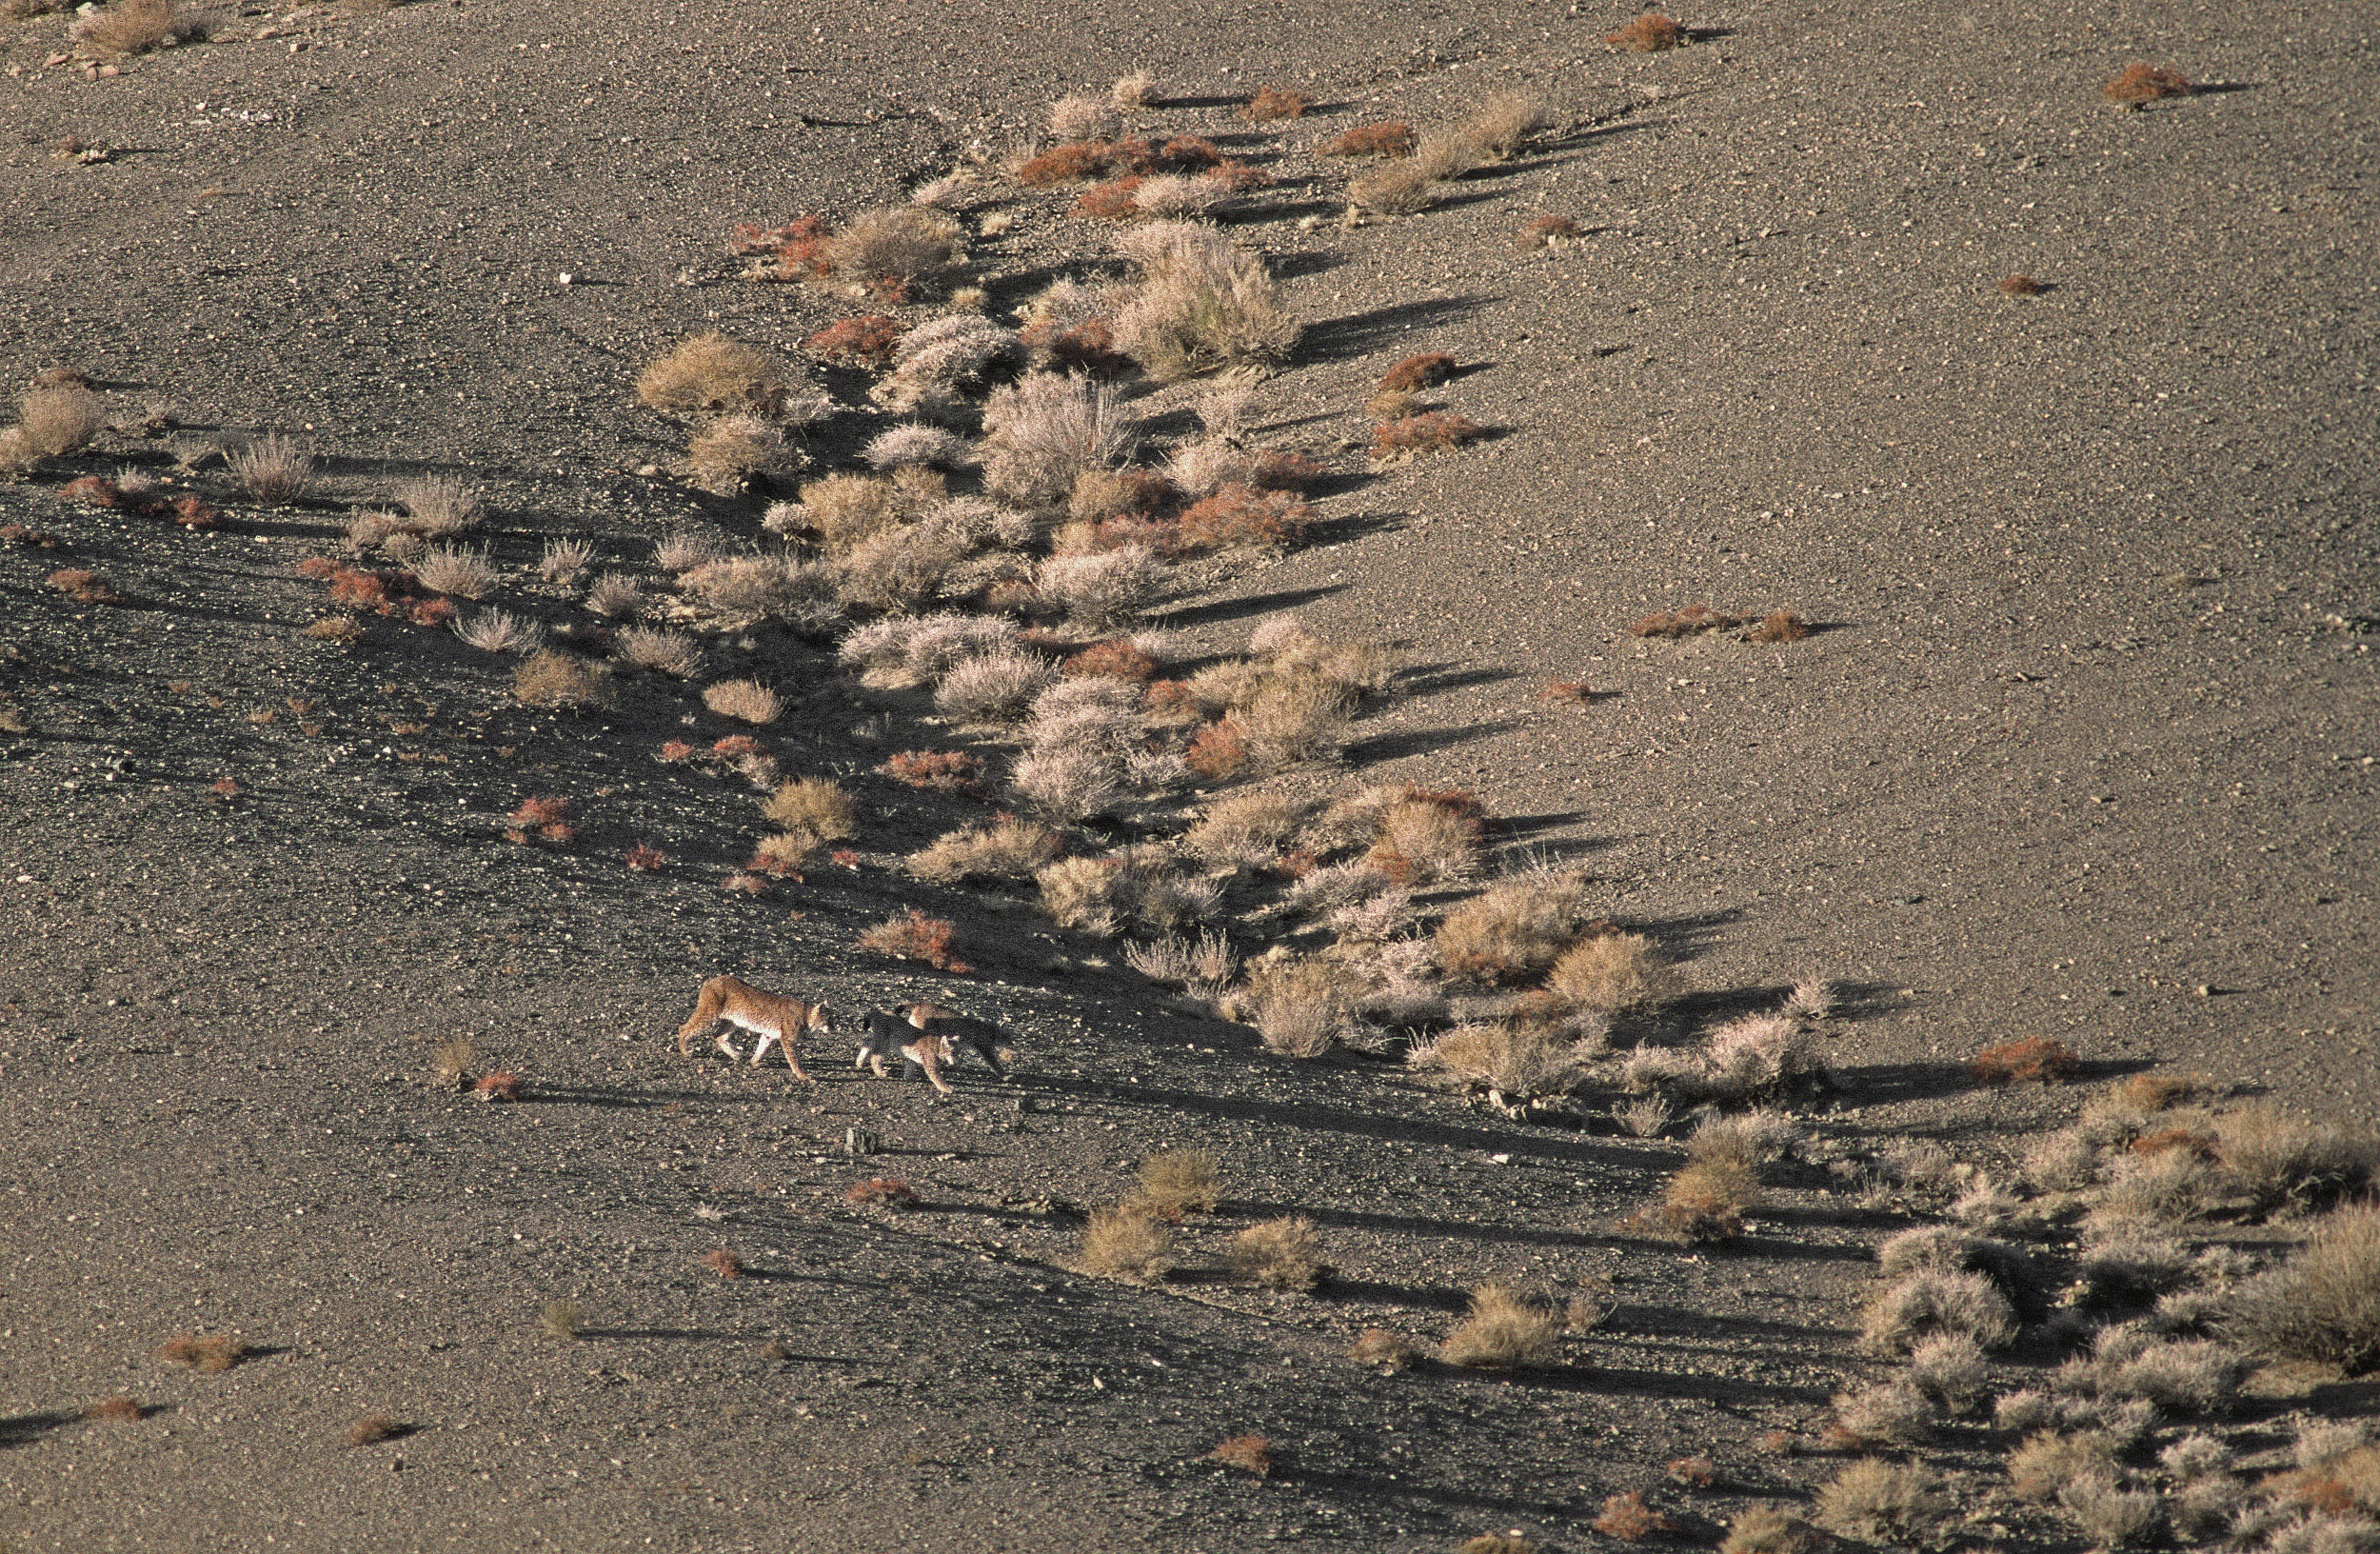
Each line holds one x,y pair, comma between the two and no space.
929,1059
760,1048
726,1043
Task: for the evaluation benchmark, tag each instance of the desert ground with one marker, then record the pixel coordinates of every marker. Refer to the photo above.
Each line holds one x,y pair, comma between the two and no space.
2069,749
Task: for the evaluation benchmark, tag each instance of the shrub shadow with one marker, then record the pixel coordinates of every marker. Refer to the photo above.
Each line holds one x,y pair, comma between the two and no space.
1360,334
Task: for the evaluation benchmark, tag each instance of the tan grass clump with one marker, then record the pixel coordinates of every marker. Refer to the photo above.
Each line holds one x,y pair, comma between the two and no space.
553,679
711,374
56,419
1627,1518
1504,1331
1770,1529
212,1354
1276,1254
2323,1303
1202,301
747,701
1127,1243
563,1318
1515,930
135,26
1514,1069
1179,1181
893,254
1378,1347
1249,1453
1883,1503
2042,1464
274,468
1615,971
1007,850
814,806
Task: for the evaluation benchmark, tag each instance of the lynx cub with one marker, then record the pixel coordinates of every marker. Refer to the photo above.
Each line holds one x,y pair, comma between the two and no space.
925,1042
766,1015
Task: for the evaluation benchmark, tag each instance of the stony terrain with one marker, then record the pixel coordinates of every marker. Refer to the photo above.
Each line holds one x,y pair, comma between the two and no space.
2078,747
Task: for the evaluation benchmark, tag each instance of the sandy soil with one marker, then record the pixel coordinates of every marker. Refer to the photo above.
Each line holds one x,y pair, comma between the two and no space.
2080,747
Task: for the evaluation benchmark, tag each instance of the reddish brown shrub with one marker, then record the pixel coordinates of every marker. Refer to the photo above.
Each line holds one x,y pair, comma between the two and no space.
1240,514
2145,84
867,339
83,586
191,512
1545,232
1688,622
645,859
724,1264
498,1086
1648,35
433,613
795,246
1782,626
1184,153
1117,657
1111,202
2196,1142
882,1192
120,1409
2036,1057
936,771
1388,138
2022,285
548,818
1572,691
1628,1519
1219,750
91,488
1418,372
914,936
1697,1472
1270,104
1066,164
1425,433
1249,1453
32,539
372,1428
1273,469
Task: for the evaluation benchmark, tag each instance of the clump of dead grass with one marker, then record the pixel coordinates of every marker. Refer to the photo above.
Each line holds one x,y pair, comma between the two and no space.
1276,1254
709,374
1179,1181
1504,1331
1127,1242
1883,1503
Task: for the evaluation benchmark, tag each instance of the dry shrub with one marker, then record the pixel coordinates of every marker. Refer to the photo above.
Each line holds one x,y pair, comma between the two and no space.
1238,514
1378,1347
1613,972
1504,1331
881,1192
913,936
2139,84
2036,1057
1514,1541
1933,1300
1515,930
135,26
2276,1160
869,339
2109,1515
1770,1529
1009,848
783,855
1431,432
2044,1464
1705,1202
1648,35
452,570
1394,189
1177,1181
1202,301
726,454
844,510
936,771
1545,231
2156,1091
119,1409
1626,1517
1278,1254
747,701
893,254
1423,371
2022,285
674,653
274,468
562,1319
551,678
373,1429
212,1354
501,1085
724,1264
1504,124
83,586
1778,625
1883,1503
1272,103
1388,138
1895,1412
1425,840
815,806
711,375
1135,91
2323,1303
1127,1243
1695,1472
1249,1453
57,419
1514,1069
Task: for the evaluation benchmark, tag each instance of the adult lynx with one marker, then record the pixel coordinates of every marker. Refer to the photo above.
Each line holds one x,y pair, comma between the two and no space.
770,1017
